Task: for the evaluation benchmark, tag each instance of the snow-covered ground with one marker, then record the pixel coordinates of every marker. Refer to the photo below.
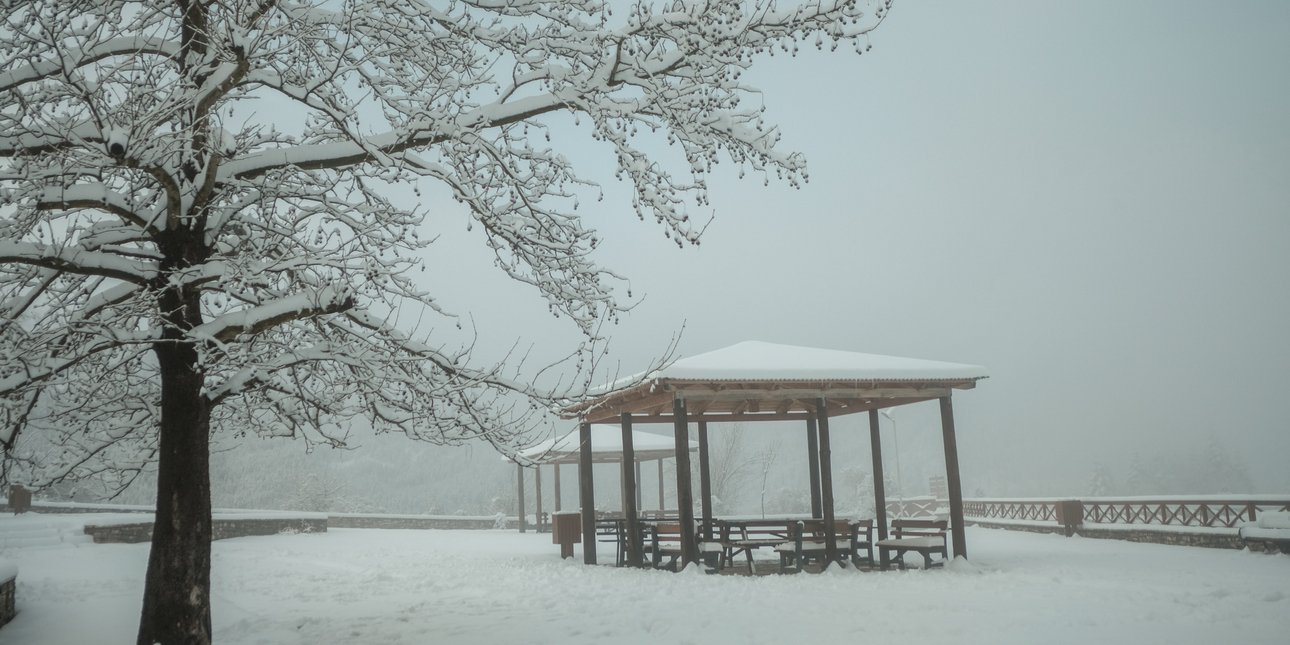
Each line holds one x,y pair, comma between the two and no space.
391,586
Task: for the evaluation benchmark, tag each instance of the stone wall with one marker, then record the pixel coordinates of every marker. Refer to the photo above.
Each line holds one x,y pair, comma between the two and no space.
1212,540
1180,538
221,529
364,521
8,591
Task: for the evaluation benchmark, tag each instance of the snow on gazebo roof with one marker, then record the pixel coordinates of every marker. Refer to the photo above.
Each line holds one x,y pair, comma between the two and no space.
606,445
756,380
756,360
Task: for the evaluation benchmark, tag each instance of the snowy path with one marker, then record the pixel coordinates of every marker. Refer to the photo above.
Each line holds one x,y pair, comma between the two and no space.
388,586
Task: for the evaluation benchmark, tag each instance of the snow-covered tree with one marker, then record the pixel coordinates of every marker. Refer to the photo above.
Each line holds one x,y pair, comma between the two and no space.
1102,482
199,237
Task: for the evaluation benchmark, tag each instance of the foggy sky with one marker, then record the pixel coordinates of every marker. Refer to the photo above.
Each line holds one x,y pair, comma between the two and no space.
1091,199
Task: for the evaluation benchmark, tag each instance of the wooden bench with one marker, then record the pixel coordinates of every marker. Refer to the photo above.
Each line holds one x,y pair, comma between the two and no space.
665,542
735,537
808,541
924,537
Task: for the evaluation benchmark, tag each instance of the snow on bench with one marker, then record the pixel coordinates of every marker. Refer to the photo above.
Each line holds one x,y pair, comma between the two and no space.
1272,531
924,537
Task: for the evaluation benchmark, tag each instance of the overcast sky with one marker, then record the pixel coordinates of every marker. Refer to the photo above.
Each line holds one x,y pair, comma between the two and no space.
1090,199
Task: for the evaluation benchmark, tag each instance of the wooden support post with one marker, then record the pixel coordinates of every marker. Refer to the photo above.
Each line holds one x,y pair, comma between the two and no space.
537,497
556,492
519,501
629,495
957,534
826,482
661,499
705,481
879,481
813,460
639,505
586,495
684,498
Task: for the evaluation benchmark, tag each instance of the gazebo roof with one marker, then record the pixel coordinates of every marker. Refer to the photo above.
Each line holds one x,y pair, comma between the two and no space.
606,446
757,381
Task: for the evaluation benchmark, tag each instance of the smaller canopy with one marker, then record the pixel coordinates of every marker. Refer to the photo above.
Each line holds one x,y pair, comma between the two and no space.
606,446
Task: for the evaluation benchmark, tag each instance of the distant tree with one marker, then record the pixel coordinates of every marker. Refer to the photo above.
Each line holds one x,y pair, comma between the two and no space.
1144,476
765,463
1222,471
198,235
1102,482
731,464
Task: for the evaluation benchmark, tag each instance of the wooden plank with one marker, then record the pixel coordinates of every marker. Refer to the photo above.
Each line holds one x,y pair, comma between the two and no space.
952,478
886,392
638,398
586,495
717,416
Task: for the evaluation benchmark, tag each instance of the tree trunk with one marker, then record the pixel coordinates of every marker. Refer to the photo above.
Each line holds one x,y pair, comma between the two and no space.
176,594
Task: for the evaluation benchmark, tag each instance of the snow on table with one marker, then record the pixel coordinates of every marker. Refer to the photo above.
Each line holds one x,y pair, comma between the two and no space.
396,586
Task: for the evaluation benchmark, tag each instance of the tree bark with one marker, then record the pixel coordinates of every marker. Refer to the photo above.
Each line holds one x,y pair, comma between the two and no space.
176,594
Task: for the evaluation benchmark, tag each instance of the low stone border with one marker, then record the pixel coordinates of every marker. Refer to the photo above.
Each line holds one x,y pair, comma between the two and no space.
380,521
1201,536
8,591
221,529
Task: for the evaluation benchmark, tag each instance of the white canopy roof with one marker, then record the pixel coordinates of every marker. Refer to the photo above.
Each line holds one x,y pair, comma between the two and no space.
606,445
756,360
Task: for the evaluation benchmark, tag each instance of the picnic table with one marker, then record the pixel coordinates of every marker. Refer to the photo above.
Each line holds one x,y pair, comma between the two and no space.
795,539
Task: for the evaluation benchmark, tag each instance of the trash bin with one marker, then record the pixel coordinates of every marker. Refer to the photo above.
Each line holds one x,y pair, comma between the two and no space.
1070,514
19,499
566,530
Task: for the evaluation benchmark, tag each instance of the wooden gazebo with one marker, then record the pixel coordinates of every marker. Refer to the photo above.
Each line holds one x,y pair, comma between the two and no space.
606,447
756,381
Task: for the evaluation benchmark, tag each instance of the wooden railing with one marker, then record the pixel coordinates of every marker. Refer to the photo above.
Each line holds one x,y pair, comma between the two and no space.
1180,512
917,507
1043,510
1189,511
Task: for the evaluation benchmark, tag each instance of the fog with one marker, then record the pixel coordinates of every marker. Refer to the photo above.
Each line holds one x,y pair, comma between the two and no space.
1090,199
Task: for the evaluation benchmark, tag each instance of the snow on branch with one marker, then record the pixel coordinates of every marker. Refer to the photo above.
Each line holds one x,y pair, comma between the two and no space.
77,260
220,178
255,320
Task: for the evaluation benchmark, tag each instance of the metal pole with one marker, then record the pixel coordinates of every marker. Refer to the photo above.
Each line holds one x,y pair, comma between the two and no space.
556,468
705,480
519,501
537,497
